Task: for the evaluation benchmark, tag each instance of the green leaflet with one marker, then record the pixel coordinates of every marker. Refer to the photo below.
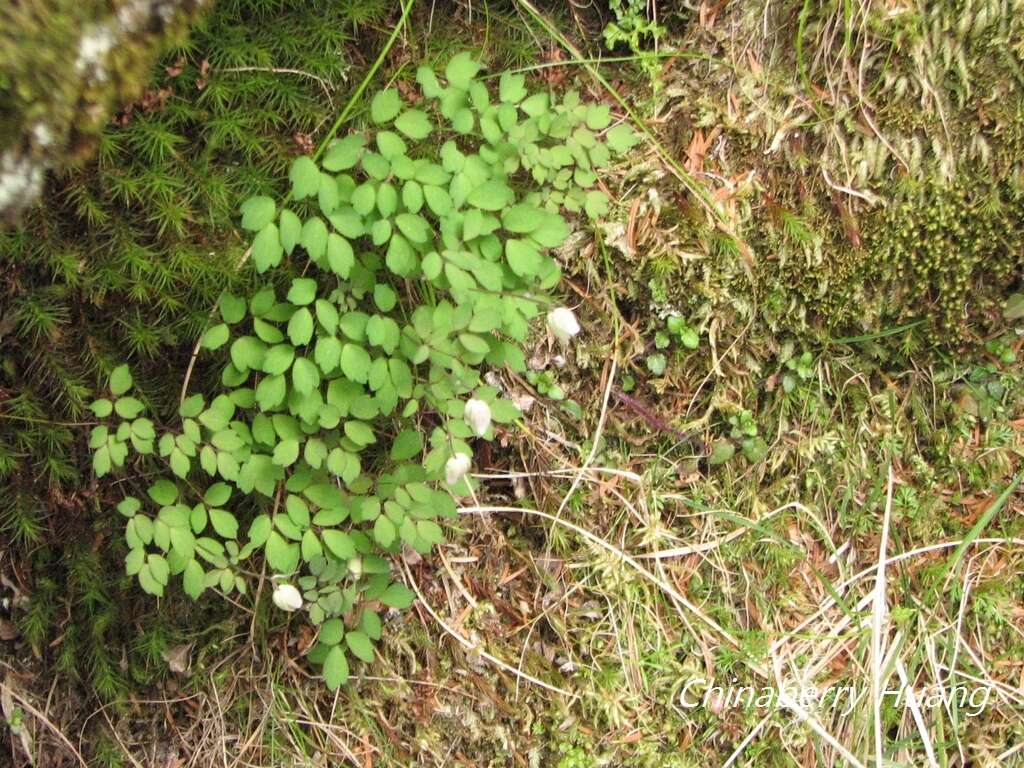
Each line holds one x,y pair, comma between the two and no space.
360,645
266,248
344,153
622,138
257,212
385,106
305,375
355,363
523,257
314,237
335,668
303,291
305,178
300,327
339,255
401,258
415,124
214,338
461,70
492,195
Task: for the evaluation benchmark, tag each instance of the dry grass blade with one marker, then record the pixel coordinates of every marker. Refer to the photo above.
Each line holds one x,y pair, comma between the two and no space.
915,710
42,718
879,610
611,549
469,644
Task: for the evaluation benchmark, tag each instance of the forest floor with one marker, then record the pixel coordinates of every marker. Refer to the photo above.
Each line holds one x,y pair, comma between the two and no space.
783,453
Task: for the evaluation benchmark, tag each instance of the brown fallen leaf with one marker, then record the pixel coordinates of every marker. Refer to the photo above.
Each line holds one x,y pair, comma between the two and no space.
696,151
307,637
179,658
177,68
8,630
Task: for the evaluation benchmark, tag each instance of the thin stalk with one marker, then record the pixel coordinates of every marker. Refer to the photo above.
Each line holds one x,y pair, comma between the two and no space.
983,522
691,184
354,99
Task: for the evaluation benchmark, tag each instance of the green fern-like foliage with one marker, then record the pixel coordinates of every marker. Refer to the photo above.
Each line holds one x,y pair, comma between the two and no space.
364,367
125,260
128,254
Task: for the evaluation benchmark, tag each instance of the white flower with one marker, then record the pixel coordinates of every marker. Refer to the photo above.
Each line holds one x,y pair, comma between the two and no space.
563,324
478,416
456,468
287,597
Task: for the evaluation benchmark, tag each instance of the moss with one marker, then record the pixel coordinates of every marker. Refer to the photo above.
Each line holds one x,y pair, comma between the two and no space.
831,191
949,253
124,259
64,66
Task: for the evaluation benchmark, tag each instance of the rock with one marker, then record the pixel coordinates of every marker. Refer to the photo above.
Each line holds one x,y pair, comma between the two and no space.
64,66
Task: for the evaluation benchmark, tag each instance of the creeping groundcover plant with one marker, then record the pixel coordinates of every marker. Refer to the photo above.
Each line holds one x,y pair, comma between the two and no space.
413,255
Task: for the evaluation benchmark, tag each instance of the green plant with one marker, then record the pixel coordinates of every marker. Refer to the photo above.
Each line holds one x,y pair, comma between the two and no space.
130,250
722,450
799,368
352,390
754,448
1000,349
16,720
743,428
657,363
982,393
743,425
682,331
545,383
634,29
676,329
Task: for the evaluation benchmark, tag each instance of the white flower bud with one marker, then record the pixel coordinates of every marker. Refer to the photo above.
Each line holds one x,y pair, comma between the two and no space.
478,416
563,324
456,468
287,598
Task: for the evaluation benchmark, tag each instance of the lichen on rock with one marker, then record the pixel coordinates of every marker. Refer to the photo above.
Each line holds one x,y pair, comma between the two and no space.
64,66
